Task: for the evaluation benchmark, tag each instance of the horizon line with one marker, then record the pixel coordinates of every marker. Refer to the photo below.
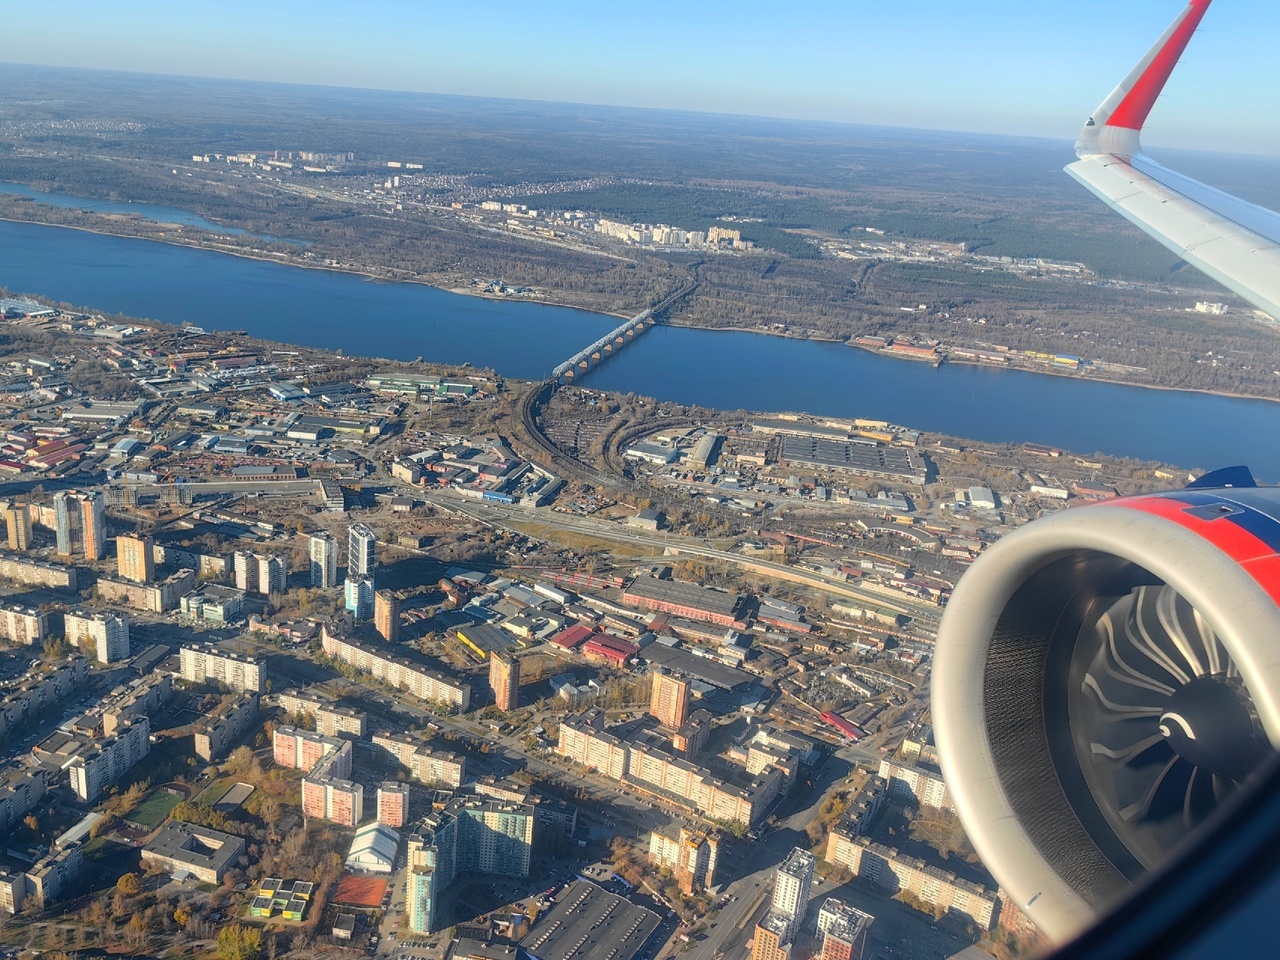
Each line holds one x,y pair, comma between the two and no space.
1067,139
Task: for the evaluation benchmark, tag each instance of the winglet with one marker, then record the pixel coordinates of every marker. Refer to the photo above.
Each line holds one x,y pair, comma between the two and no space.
1115,126
1225,477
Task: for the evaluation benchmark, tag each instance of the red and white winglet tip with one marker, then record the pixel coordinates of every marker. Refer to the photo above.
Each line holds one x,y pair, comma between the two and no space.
1115,126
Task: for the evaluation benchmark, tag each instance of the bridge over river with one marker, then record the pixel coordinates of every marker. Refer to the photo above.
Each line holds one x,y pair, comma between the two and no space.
616,339
604,347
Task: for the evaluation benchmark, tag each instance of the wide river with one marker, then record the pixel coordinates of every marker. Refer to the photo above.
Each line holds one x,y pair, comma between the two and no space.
715,369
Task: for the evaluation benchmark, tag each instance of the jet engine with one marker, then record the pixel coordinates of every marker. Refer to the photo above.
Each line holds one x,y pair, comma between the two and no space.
1105,680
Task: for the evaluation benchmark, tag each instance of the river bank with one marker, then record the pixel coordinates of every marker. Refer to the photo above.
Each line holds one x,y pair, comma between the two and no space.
335,310
450,285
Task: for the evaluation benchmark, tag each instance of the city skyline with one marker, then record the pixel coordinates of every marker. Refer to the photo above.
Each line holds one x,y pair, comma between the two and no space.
1003,69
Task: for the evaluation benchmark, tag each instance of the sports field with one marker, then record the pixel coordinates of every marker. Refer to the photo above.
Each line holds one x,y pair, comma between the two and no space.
152,811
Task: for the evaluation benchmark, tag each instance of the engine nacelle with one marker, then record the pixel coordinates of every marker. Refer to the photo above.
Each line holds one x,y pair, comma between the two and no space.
1104,680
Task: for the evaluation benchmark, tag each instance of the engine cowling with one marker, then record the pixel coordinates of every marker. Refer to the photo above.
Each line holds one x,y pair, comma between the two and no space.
1105,680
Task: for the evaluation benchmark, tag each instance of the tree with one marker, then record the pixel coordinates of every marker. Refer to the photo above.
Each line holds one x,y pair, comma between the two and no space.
31,822
182,915
129,885
238,942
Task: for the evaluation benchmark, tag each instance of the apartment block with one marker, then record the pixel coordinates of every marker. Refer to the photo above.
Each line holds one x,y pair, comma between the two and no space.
393,804
892,870
149,596
53,877
13,890
361,558
80,523
20,791
135,558
690,856
668,698
259,573
469,833
357,597
396,670
432,767
217,734
327,790
386,615
917,785
303,749
330,719
647,766
107,760
140,699
17,523
769,942
107,634
330,796
791,886
37,573
843,931
205,662
23,625
35,693
323,551
504,680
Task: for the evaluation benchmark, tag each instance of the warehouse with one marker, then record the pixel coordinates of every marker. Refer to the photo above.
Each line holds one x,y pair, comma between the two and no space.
858,457
690,600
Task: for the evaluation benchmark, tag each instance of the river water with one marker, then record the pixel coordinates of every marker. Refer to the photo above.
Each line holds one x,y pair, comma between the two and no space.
716,369
147,211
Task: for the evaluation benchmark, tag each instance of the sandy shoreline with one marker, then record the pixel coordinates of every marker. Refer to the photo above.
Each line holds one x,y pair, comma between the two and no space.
283,260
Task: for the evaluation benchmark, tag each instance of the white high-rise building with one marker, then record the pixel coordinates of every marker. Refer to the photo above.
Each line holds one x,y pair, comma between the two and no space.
324,560
360,551
107,633
791,889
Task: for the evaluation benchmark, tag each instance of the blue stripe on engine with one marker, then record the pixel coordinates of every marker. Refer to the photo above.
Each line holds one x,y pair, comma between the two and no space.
1248,518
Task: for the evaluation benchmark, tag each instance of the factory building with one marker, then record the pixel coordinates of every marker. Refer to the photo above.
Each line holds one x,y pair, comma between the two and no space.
689,600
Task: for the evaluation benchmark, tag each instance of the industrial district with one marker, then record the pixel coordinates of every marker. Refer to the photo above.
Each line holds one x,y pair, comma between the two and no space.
305,652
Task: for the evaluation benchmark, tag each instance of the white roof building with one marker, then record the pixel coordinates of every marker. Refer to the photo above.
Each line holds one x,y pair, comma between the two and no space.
374,849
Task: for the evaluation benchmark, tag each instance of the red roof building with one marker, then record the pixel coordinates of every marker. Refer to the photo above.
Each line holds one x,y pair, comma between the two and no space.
610,648
573,637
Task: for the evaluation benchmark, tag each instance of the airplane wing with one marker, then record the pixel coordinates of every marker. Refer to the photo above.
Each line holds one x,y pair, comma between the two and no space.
1235,242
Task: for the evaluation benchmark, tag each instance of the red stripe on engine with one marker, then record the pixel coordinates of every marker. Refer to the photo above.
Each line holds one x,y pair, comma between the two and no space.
1134,108
1255,557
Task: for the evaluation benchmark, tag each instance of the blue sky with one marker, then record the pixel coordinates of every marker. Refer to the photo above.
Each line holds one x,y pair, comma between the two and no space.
1027,67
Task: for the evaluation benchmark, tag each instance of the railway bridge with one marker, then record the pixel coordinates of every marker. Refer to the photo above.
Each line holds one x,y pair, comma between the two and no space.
604,347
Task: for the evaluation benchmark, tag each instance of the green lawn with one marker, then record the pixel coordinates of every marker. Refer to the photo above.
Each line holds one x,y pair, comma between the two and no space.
152,811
